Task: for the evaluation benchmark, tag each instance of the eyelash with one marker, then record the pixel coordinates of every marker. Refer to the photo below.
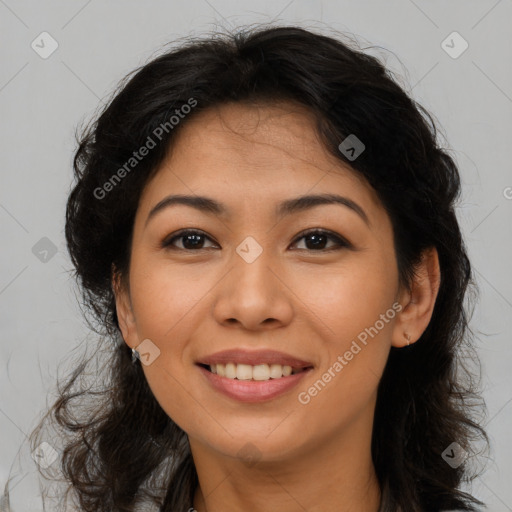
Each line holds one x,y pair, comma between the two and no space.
340,241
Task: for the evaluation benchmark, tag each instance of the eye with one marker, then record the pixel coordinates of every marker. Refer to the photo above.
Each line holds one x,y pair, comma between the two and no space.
191,240
318,239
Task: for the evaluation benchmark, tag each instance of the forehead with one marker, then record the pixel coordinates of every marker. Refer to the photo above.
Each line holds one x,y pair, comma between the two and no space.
257,132
267,152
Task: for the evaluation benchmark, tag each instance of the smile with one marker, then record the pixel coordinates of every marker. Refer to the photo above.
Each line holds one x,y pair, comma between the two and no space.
253,390
253,372
252,375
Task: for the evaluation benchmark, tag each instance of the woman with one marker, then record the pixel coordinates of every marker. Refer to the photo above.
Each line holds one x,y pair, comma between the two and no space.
264,225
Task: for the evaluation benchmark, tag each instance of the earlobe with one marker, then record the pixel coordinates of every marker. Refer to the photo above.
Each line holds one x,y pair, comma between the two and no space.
418,302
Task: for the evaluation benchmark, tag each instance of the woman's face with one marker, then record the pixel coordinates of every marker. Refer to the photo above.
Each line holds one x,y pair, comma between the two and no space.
251,282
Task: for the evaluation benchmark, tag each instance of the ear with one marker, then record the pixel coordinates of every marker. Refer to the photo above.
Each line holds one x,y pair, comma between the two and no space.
418,302
124,310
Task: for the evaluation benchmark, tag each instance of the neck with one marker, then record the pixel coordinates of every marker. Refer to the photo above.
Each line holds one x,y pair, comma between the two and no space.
328,476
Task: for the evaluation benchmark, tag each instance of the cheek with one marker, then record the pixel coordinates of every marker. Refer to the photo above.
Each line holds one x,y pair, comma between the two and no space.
352,312
166,305
343,302
164,297
356,327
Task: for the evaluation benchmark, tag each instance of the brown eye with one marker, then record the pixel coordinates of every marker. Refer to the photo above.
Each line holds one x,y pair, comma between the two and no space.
190,240
317,240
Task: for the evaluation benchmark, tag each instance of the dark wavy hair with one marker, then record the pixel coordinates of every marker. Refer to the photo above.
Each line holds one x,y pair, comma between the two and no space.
121,448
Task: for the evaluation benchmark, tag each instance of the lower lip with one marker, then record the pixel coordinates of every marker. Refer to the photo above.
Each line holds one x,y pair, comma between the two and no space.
253,390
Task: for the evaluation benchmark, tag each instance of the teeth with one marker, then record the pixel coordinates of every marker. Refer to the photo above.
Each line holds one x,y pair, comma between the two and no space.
243,372
262,372
276,371
230,371
257,372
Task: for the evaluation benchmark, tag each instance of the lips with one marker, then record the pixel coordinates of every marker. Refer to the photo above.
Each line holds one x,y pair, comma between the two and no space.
265,385
254,358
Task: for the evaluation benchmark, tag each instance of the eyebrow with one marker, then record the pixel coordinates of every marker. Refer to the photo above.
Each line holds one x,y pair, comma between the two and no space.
290,206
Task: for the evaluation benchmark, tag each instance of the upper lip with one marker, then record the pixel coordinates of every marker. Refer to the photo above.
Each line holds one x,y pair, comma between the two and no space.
254,357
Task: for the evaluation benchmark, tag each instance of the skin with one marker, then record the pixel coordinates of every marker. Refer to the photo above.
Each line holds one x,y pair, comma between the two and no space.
296,298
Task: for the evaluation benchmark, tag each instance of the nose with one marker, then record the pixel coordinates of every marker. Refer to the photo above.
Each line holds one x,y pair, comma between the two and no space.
253,296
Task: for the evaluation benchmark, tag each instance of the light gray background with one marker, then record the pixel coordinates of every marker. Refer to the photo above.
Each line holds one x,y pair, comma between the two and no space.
43,100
